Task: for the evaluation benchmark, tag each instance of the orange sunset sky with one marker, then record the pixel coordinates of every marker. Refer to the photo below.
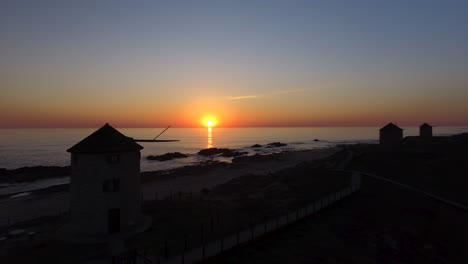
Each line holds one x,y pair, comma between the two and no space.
244,63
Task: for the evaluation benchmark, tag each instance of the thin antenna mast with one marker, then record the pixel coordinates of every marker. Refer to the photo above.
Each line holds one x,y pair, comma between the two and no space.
154,139
162,132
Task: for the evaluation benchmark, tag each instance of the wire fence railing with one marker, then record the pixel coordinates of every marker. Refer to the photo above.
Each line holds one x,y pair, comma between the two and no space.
180,253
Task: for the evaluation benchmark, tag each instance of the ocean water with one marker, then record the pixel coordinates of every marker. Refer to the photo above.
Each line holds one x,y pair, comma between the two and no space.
33,147
47,147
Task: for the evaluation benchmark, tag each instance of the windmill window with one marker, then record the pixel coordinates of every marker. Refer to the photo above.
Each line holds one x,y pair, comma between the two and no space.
113,159
111,185
74,159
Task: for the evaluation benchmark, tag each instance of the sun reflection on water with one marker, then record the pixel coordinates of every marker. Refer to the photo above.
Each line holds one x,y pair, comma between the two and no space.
210,139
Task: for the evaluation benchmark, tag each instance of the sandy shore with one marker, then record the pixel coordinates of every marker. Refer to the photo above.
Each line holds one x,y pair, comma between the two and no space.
42,204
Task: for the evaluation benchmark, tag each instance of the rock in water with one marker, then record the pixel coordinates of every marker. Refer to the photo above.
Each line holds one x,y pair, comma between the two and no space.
225,152
275,145
28,174
167,156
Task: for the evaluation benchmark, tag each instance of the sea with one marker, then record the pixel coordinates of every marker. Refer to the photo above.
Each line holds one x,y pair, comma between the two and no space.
48,147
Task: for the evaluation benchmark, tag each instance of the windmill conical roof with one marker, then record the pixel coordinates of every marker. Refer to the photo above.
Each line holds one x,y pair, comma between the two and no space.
426,125
390,127
104,140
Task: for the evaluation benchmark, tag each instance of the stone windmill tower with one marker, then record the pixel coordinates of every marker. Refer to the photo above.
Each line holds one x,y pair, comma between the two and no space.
105,198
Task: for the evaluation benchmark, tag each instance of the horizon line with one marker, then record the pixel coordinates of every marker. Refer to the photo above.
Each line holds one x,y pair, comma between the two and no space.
266,126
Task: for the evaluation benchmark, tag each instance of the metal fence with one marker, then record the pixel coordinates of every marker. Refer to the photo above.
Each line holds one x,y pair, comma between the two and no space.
212,248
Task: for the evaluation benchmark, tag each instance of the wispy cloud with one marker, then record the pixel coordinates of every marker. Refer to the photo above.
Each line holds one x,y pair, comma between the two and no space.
244,97
278,92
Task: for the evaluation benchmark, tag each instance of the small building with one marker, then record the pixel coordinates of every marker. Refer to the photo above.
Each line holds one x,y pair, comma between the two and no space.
391,135
425,130
105,198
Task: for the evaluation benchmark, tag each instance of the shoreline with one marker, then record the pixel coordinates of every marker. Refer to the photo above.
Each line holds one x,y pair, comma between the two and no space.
52,200
59,175
372,215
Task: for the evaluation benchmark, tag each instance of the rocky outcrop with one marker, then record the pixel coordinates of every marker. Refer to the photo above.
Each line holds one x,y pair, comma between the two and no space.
225,152
276,144
29,174
257,157
167,156
256,146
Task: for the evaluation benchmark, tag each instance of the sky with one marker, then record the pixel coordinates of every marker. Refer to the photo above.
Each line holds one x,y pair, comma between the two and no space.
243,63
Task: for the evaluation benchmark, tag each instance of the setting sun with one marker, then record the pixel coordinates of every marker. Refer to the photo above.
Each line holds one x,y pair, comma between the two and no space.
209,121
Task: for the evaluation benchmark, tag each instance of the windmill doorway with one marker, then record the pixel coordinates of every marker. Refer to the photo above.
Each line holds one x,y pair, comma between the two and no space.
113,221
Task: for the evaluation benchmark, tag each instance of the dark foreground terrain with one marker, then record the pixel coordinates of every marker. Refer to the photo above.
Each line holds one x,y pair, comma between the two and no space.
383,222
186,220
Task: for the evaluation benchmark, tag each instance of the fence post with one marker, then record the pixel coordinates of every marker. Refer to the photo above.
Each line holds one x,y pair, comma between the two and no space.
165,248
237,237
185,241
251,230
202,234
203,252
156,196
212,224
222,244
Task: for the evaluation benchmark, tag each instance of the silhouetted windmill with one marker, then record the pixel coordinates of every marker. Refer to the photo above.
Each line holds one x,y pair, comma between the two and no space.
105,187
154,139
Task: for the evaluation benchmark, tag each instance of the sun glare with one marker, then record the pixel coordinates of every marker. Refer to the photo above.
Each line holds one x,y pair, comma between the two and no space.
209,121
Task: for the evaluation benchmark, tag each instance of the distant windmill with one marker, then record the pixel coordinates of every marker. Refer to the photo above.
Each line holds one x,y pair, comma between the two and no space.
154,139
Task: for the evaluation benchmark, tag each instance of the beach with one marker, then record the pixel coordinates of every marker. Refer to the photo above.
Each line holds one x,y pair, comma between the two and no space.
162,184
